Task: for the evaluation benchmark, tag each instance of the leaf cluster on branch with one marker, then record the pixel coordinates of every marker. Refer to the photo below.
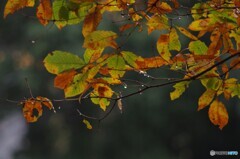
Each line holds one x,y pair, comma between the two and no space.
99,74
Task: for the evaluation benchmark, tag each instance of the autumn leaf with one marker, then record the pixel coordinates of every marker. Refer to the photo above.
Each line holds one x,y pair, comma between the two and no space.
179,89
162,47
218,114
77,86
157,22
100,39
45,101
87,123
59,61
151,62
187,33
216,42
91,56
116,64
91,21
44,11
32,108
198,47
167,42
206,98
211,83
131,58
201,24
174,43
14,5
100,95
159,7
64,79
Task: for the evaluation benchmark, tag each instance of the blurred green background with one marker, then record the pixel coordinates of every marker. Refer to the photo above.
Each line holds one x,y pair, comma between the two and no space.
150,127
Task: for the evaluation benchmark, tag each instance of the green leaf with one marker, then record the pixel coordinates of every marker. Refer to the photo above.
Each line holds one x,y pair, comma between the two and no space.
100,39
92,55
63,13
174,43
211,83
69,13
162,47
198,47
179,89
77,87
116,64
60,61
131,58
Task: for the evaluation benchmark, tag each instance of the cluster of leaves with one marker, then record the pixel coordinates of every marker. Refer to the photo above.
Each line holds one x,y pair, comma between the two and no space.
97,75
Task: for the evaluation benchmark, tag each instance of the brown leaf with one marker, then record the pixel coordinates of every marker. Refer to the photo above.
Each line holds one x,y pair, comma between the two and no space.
218,114
216,42
28,110
62,80
14,5
91,21
45,101
151,62
44,11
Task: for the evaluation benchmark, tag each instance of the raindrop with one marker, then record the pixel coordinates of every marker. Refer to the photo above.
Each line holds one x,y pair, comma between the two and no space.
125,85
142,85
140,91
142,72
59,107
33,41
127,4
179,17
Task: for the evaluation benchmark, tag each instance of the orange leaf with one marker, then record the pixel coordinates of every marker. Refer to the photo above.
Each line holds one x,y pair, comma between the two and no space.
14,5
152,62
125,27
206,98
91,21
218,114
62,80
235,64
216,42
156,6
28,110
44,11
45,101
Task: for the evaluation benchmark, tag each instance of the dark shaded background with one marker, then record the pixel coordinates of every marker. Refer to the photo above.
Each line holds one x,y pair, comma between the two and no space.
151,126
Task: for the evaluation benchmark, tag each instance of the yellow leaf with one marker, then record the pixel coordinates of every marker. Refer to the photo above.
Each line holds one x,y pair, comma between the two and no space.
44,11
100,39
162,47
174,43
179,89
14,5
201,24
187,33
87,123
218,114
206,98
157,22
100,95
